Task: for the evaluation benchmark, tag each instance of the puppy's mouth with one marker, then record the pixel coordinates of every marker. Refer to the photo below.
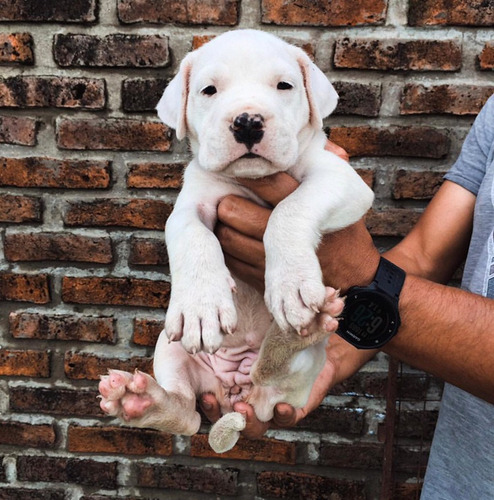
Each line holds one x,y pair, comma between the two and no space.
249,155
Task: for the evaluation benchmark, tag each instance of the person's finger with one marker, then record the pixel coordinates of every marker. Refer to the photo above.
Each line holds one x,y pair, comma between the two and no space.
273,188
210,406
285,415
251,275
337,150
244,215
240,246
254,428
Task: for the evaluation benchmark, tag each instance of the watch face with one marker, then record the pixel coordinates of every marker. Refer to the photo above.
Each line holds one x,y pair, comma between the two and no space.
369,320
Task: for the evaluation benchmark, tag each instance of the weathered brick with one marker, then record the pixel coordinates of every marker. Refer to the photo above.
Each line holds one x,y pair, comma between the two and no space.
17,209
423,142
27,435
55,401
116,50
392,221
132,213
25,288
410,459
16,48
17,363
142,95
418,424
113,134
363,384
407,491
85,366
416,185
218,13
395,55
486,57
152,175
444,99
222,481
262,450
55,92
367,175
116,291
120,440
358,98
147,331
18,130
62,327
325,13
76,11
351,455
34,247
148,252
52,173
27,494
342,420
68,470
450,12
298,485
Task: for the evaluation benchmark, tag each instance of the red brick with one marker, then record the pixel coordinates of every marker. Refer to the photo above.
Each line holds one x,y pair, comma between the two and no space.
444,99
368,176
410,459
24,288
27,494
142,95
394,55
27,435
219,13
222,481
450,12
76,11
16,48
392,221
62,327
362,384
279,484
259,450
152,175
54,92
133,213
123,441
342,420
54,401
147,331
113,134
34,247
358,99
486,57
68,470
116,50
423,142
17,363
17,209
116,291
416,185
418,424
18,130
84,366
52,173
148,252
407,491
351,455
324,13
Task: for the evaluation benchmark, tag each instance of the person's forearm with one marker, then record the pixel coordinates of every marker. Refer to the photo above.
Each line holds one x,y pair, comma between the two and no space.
447,332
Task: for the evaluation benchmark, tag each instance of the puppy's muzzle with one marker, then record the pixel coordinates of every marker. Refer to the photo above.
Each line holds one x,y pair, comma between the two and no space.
248,129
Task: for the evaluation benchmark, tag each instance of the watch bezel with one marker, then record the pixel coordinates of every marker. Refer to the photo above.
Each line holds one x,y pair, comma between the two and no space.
374,341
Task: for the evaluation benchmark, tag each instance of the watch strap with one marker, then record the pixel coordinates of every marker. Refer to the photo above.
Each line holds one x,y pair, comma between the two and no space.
389,278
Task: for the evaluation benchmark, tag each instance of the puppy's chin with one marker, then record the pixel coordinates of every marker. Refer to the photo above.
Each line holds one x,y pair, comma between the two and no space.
251,167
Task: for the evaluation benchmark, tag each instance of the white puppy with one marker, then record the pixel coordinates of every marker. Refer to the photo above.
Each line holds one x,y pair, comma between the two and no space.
251,105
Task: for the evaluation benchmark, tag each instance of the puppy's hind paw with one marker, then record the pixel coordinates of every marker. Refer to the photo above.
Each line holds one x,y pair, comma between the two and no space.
225,432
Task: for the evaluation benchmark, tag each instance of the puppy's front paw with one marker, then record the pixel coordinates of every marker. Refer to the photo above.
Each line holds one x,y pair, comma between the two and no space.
201,313
294,297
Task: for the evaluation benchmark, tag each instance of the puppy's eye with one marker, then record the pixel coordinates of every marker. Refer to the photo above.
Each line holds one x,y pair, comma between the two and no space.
284,86
209,90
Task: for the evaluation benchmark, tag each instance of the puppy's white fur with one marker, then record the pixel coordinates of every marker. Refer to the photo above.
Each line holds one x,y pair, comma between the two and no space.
245,68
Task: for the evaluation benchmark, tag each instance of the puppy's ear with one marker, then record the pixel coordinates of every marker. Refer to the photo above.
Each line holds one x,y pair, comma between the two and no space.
321,94
172,107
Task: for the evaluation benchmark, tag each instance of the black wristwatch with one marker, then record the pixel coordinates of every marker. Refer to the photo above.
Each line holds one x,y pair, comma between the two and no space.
370,317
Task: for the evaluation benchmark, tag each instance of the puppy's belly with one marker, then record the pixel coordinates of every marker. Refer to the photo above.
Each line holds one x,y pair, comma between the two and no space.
232,367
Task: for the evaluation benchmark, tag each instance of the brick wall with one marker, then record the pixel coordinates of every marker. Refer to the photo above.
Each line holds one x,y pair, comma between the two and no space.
88,176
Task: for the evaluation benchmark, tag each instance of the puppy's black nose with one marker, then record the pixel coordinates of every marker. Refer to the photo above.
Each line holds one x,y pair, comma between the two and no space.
248,129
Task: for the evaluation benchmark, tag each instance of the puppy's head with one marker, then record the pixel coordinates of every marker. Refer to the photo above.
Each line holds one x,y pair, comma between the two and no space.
248,102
